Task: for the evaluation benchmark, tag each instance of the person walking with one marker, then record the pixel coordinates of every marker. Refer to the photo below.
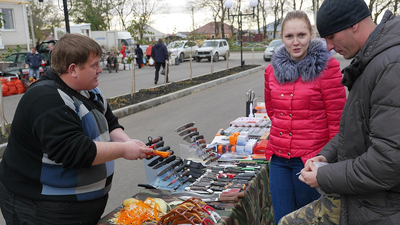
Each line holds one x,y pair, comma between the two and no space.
363,167
139,56
33,59
159,53
59,161
148,53
304,99
123,51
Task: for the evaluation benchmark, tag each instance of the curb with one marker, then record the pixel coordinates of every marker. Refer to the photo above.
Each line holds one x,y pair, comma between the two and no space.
128,110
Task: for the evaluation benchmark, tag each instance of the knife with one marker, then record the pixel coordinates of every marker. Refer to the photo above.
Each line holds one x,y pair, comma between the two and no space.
182,183
191,124
164,162
188,137
153,140
155,161
170,167
212,160
197,137
180,176
222,199
193,129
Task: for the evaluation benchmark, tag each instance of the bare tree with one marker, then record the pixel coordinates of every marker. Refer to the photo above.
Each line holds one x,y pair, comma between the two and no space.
44,23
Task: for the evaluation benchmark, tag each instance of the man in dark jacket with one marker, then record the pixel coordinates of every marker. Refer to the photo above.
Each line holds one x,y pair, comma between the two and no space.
160,55
34,60
139,56
59,161
364,165
112,63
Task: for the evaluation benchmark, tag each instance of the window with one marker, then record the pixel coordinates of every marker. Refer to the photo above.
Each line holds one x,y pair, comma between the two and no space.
8,19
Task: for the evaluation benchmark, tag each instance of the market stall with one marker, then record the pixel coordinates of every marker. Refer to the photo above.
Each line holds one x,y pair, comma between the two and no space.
229,175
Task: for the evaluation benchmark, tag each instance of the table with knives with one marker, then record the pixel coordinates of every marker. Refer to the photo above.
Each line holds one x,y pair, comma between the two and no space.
220,176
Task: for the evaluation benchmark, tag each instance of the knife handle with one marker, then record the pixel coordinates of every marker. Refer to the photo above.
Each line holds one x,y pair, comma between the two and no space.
155,161
159,144
228,199
238,194
163,149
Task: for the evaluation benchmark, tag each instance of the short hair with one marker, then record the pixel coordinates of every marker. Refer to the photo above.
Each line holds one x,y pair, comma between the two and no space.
160,40
297,14
73,48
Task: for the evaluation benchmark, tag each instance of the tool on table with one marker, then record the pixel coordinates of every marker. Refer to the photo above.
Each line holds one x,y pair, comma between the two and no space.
179,177
193,129
182,183
160,153
250,103
155,161
213,159
191,124
189,136
170,167
153,140
164,162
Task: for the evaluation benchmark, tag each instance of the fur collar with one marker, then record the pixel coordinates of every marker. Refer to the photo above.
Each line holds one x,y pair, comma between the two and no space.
309,68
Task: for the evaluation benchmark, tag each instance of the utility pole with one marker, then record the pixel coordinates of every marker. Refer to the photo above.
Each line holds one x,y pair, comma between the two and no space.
66,16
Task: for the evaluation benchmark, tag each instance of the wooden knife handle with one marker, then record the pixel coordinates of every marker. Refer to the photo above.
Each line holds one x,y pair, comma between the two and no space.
228,199
238,194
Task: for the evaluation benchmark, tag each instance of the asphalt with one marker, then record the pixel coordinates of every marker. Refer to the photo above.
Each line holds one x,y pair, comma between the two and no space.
128,110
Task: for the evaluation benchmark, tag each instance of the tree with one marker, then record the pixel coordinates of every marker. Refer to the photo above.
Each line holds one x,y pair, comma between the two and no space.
45,17
97,13
143,12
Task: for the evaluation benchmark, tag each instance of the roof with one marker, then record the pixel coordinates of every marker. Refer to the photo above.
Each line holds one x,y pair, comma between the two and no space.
209,28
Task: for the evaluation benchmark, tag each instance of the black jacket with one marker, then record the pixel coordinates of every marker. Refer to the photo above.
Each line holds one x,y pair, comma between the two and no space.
159,53
367,148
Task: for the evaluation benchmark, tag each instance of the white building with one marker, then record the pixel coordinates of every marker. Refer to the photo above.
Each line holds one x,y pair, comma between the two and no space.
15,30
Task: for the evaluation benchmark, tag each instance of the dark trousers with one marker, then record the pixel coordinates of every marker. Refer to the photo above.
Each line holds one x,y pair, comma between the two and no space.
110,68
20,210
158,66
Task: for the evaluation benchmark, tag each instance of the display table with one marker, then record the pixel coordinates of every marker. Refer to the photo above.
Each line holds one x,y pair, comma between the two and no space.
254,208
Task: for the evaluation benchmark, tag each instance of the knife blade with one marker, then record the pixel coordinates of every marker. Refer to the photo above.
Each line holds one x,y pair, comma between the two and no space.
222,199
164,162
191,124
179,177
170,167
193,129
182,183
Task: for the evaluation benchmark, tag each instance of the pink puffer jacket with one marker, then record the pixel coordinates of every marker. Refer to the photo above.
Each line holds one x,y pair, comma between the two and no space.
304,115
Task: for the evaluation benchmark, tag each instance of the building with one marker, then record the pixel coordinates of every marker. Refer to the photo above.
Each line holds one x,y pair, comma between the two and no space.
152,34
83,28
208,31
15,30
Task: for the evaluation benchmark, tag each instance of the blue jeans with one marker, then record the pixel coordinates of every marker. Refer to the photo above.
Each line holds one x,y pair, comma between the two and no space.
34,72
18,210
288,193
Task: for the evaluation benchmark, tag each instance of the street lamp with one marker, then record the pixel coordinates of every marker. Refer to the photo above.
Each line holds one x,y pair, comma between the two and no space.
228,5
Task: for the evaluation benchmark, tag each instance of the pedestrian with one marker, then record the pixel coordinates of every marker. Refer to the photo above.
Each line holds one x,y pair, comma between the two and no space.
139,56
364,167
112,63
159,53
33,59
148,52
123,51
59,161
304,99
48,63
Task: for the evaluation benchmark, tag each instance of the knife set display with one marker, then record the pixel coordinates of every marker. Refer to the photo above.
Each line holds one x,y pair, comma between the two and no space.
193,144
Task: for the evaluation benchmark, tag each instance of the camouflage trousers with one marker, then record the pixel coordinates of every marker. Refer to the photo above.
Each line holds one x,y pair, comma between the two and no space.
325,210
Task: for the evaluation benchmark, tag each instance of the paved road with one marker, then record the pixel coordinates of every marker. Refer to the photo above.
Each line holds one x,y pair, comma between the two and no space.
114,84
211,109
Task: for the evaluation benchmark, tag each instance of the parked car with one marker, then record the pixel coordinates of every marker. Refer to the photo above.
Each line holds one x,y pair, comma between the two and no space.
215,48
182,49
269,51
18,67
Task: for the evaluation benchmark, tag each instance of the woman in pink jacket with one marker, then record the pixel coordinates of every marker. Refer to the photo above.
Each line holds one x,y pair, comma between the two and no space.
304,99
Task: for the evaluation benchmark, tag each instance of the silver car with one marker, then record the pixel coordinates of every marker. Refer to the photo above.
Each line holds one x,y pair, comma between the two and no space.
269,51
183,49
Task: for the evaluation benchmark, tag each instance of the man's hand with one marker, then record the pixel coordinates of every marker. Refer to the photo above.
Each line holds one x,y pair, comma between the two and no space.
309,175
319,158
135,149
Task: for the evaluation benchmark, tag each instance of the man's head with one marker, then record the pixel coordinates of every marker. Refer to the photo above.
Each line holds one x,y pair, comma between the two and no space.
76,59
160,40
73,48
33,50
51,46
345,25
